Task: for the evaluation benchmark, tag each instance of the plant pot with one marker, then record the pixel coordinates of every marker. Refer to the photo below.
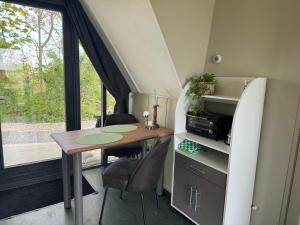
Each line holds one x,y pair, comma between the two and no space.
195,106
211,87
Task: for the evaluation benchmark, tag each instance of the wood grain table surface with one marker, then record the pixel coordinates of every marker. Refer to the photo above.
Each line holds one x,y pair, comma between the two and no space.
66,140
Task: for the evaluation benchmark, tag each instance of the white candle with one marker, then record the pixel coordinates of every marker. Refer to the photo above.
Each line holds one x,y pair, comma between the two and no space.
155,97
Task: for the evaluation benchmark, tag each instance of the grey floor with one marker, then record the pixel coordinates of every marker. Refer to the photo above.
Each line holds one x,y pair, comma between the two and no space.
117,211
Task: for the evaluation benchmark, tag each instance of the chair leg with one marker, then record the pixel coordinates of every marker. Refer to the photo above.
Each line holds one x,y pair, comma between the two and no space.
121,195
103,204
143,208
105,161
156,198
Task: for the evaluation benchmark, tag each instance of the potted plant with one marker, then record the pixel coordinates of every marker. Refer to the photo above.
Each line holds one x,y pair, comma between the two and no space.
200,85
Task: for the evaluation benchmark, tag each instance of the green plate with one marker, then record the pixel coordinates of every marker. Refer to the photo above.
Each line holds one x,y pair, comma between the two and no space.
102,138
119,128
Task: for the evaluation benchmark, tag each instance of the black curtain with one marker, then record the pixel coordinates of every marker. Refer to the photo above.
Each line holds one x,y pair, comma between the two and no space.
100,57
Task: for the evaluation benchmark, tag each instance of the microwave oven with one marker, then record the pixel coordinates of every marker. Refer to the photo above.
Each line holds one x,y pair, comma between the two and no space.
209,124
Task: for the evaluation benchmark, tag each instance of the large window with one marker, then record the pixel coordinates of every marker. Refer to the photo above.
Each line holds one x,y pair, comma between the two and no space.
32,88
91,103
31,83
90,91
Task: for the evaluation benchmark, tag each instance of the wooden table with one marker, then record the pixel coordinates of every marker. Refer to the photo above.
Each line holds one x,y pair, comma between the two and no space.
66,140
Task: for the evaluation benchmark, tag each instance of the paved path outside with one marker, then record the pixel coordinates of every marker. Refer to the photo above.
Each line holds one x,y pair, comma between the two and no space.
19,133
27,143
17,154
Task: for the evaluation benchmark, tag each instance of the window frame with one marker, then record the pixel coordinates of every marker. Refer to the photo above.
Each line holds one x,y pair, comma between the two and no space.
72,92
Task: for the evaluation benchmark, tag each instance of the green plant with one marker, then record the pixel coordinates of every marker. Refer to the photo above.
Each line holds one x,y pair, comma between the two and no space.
195,109
198,87
208,77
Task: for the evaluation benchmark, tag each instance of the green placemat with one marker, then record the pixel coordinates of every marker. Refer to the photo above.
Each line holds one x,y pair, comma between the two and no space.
119,128
102,138
189,147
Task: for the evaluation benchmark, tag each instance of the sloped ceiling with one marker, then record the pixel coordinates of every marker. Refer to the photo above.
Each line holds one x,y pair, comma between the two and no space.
134,35
186,26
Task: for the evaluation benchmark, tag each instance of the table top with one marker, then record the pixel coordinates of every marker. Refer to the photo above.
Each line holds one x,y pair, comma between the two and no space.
66,140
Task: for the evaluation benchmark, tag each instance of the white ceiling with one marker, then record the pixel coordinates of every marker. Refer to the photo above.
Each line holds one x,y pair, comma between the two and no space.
135,37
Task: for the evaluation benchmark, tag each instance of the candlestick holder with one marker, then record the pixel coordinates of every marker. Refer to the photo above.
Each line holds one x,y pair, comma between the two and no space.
155,107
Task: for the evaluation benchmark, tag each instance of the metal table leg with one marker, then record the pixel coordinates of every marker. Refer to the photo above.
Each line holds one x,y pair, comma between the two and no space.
66,180
77,171
144,150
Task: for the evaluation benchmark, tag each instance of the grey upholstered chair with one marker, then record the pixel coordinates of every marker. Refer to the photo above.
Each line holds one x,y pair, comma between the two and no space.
128,150
133,175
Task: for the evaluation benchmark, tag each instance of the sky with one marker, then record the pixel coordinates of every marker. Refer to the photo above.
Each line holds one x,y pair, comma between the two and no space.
12,59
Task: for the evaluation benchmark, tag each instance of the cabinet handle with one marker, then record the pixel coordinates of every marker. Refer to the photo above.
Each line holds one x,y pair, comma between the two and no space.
191,196
196,200
197,169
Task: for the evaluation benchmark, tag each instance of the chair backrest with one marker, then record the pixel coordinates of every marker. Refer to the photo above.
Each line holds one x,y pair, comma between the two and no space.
115,119
149,169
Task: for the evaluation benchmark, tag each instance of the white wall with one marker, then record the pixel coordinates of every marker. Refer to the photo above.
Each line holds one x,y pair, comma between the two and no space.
186,28
261,37
165,118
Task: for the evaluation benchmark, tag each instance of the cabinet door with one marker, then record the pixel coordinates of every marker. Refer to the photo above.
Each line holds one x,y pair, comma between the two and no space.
209,203
198,191
184,190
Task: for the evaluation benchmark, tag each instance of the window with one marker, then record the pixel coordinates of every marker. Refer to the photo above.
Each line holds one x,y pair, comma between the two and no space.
32,88
31,83
91,103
